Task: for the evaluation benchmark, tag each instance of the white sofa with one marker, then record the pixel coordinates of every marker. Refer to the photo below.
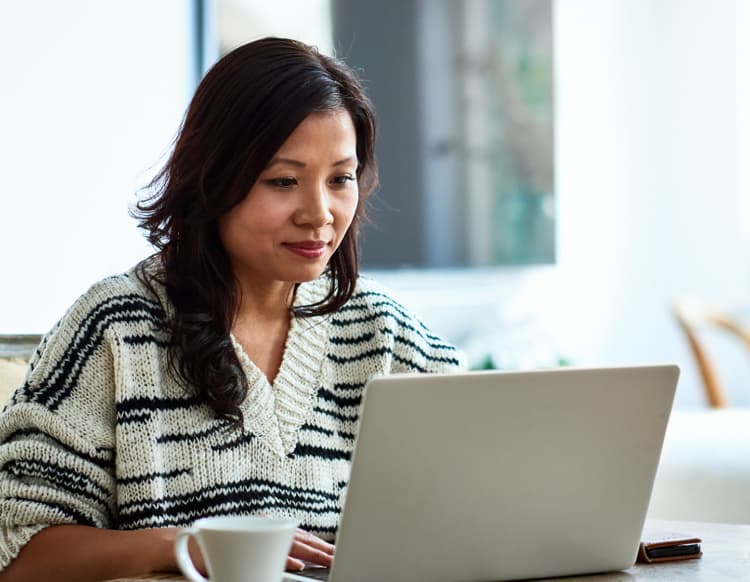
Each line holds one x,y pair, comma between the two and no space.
12,374
15,351
704,472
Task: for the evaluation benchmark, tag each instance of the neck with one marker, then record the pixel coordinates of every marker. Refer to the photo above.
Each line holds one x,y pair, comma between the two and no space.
266,302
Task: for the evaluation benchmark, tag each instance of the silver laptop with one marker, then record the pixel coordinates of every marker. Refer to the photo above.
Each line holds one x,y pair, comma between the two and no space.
502,475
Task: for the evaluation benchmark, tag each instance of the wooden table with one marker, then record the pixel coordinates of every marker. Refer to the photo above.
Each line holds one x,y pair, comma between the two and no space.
726,556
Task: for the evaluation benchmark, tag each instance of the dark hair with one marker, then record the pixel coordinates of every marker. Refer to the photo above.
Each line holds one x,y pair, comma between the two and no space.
242,112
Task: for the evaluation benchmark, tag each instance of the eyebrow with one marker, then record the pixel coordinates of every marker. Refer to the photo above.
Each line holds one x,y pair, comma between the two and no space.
299,164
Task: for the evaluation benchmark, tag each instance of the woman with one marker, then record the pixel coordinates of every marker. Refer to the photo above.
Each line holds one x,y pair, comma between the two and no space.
223,375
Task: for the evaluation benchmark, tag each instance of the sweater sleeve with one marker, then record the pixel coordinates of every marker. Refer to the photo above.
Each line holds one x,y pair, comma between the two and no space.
57,435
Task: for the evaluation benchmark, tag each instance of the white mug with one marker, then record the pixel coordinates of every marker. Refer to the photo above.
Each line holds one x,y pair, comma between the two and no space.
250,549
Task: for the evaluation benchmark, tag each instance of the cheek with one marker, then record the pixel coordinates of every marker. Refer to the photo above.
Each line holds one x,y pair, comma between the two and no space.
253,216
268,218
346,212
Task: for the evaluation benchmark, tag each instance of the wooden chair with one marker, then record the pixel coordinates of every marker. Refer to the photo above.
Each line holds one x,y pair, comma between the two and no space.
692,317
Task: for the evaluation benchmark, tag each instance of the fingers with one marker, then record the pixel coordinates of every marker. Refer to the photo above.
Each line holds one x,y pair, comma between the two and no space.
308,548
314,541
294,565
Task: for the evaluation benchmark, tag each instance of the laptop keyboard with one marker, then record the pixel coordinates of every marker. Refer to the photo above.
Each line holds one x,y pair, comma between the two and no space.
309,573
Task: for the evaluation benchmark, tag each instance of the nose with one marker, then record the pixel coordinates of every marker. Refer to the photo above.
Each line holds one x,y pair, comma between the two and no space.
314,208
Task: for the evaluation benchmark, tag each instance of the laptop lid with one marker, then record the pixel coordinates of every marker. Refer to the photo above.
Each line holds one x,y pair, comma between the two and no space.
502,475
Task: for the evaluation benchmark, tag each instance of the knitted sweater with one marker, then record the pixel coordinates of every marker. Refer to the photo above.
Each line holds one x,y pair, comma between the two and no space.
101,434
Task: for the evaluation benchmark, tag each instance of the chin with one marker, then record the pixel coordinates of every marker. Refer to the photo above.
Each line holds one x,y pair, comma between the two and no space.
306,274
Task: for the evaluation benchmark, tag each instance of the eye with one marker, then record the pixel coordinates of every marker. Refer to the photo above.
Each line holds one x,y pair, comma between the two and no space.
286,182
342,180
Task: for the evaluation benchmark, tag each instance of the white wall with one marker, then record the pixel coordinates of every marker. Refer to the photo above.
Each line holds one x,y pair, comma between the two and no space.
92,94
649,201
647,169
742,73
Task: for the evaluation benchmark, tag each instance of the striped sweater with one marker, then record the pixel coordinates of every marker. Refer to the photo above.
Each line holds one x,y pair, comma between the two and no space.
101,434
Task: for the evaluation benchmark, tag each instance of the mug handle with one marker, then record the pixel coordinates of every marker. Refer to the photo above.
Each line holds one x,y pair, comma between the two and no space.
184,562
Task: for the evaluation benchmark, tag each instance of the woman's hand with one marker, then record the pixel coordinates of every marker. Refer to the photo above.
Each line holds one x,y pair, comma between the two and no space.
89,554
309,549
165,559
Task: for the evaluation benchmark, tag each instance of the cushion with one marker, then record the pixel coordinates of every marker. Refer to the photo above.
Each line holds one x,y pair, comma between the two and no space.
12,375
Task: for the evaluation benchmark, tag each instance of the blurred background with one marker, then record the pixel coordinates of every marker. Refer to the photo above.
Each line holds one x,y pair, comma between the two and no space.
554,173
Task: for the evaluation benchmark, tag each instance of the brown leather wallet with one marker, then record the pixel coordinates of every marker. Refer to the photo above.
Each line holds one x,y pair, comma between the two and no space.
661,545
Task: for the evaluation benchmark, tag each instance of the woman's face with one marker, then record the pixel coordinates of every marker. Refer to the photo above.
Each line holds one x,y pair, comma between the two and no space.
297,213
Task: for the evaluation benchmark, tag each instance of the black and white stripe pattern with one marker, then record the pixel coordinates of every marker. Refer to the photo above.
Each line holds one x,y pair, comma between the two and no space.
101,434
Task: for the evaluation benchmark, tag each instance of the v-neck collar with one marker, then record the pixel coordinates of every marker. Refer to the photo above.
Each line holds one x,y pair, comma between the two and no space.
275,412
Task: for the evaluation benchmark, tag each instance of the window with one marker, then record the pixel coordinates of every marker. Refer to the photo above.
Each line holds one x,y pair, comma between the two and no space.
463,92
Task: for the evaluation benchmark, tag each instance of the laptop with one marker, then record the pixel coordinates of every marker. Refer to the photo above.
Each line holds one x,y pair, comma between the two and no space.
489,476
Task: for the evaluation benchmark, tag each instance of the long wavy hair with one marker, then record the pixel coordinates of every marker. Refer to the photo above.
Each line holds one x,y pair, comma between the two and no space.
244,109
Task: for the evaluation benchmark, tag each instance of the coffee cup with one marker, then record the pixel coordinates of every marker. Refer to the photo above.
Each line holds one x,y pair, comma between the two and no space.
251,549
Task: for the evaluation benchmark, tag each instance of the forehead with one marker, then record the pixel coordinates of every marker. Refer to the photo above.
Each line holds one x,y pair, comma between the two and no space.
323,132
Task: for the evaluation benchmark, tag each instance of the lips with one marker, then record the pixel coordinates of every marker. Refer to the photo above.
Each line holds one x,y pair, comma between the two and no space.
309,249
307,244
